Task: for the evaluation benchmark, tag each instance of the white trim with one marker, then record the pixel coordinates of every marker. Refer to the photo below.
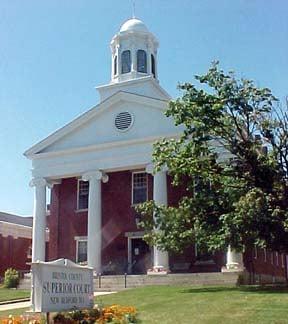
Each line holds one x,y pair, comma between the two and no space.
132,186
79,239
15,230
102,146
136,81
130,236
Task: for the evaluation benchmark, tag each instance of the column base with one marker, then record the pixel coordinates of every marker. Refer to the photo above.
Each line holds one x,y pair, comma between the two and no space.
233,267
158,270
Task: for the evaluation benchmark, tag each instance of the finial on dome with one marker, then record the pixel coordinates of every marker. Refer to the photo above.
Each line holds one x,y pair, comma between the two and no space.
133,9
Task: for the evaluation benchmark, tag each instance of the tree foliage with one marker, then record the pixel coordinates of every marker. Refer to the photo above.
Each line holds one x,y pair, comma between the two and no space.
232,158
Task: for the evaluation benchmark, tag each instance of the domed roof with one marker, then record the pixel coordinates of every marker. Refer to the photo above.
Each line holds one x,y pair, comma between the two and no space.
134,24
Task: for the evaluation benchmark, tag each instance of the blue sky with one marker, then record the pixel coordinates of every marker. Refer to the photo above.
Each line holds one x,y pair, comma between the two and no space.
53,53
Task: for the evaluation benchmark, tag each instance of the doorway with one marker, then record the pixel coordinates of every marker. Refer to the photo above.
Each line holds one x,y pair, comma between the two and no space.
140,256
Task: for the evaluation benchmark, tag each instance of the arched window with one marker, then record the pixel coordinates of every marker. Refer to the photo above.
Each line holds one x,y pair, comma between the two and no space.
126,61
153,65
141,61
115,65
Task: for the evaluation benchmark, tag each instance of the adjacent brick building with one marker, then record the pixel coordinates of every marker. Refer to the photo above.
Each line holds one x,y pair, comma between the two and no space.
15,242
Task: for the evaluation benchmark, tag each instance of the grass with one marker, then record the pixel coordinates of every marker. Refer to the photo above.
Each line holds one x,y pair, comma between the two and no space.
11,294
205,305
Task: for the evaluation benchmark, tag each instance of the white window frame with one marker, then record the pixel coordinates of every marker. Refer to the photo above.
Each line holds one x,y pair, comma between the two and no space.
77,240
78,188
132,186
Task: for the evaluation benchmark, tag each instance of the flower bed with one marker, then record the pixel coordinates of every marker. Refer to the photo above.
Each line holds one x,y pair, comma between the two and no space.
115,314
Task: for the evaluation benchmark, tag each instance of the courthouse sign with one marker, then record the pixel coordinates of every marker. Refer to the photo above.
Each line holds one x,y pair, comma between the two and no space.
61,285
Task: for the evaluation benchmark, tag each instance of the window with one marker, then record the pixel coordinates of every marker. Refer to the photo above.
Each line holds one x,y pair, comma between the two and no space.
83,193
153,65
277,258
141,61
115,65
126,61
81,250
272,260
139,187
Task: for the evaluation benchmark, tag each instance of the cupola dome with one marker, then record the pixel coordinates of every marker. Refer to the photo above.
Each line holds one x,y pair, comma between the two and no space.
134,24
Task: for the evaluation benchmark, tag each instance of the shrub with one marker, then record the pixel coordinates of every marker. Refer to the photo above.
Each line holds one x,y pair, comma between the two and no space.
11,278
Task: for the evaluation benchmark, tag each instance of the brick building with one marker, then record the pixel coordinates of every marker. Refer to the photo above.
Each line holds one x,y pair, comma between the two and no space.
99,166
15,242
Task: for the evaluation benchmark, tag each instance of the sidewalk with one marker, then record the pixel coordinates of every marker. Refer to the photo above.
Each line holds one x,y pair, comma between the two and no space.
26,304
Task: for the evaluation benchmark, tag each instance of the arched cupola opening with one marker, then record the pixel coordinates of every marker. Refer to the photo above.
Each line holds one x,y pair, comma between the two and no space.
126,62
115,65
153,71
141,61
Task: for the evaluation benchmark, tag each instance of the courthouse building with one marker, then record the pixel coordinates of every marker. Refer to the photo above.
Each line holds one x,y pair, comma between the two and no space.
99,166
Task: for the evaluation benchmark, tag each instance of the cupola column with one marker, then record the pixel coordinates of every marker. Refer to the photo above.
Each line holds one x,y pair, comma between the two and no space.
149,51
94,218
133,60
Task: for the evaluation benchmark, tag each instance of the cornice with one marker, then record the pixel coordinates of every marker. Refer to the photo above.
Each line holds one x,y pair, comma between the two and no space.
102,146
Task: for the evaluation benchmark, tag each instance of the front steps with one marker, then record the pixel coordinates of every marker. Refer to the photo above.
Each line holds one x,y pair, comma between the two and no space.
117,282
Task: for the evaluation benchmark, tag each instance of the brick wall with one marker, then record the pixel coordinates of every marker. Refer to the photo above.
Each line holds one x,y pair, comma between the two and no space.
14,253
118,217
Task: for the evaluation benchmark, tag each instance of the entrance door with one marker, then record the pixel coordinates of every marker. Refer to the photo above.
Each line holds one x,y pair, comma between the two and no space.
141,256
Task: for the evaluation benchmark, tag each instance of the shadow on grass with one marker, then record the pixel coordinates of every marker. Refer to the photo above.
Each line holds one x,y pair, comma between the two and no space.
249,289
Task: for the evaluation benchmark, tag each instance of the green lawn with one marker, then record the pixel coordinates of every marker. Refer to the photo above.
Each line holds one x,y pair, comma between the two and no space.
11,294
203,305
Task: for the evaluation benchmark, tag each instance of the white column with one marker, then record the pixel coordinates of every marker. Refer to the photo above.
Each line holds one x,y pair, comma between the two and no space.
39,219
160,258
94,218
234,260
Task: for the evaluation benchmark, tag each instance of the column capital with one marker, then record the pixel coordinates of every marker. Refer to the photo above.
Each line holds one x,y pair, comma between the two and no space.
150,169
39,182
95,175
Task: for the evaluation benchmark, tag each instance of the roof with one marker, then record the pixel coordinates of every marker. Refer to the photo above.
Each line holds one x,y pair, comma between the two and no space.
14,219
88,115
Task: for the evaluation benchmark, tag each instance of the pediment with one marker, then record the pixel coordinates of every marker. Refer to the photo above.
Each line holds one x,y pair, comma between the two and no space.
97,126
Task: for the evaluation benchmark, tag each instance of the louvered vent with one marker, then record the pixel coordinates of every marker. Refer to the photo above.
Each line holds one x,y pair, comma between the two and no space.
123,121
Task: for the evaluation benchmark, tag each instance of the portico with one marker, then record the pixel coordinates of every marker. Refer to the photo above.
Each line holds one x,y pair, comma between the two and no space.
94,212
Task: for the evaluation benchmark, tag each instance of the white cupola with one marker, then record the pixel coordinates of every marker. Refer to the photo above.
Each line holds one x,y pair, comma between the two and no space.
134,52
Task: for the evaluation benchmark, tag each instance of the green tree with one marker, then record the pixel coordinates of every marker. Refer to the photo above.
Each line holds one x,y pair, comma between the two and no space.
232,158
